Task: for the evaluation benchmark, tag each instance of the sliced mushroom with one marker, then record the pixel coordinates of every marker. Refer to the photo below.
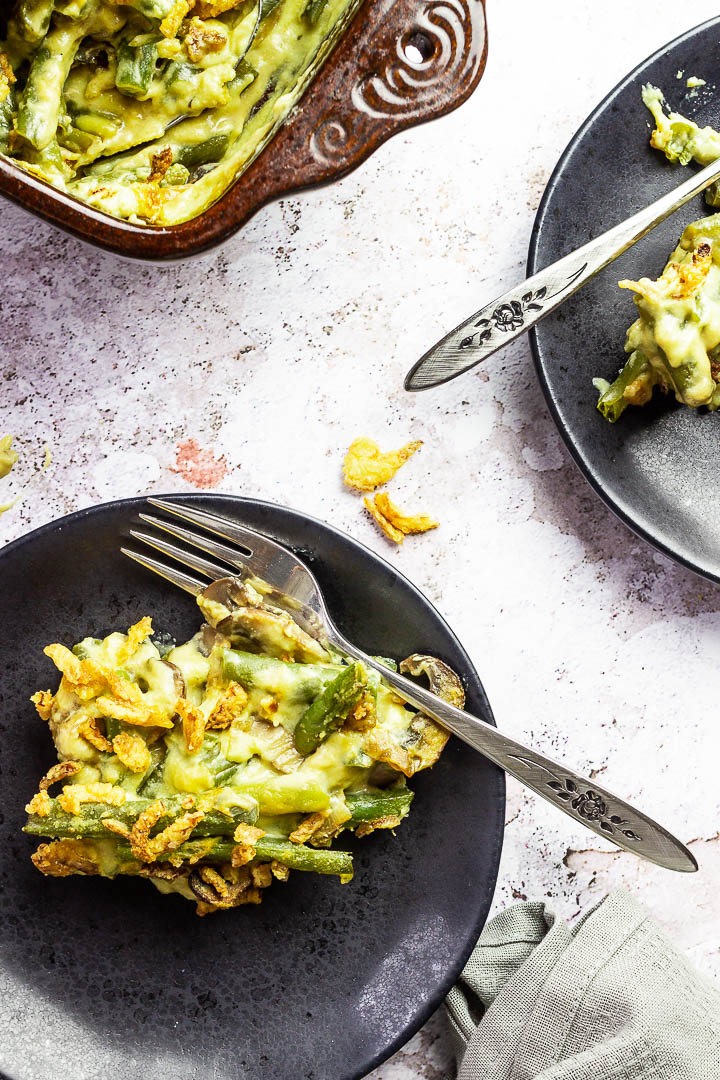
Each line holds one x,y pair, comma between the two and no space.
276,745
208,637
381,775
240,611
178,678
442,679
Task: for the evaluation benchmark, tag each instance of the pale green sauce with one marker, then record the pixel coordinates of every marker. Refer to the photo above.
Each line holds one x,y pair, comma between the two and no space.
68,121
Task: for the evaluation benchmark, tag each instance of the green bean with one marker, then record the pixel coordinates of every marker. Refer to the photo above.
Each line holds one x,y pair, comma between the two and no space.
295,683
371,805
329,710
113,727
313,10
32,18
176,175
612,402
81,650
89,821
154,773
101,124
296,856
7,112
203,153
135,68
387,662
37,117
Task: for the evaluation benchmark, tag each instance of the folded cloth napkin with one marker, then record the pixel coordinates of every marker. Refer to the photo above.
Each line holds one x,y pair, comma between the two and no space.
608,999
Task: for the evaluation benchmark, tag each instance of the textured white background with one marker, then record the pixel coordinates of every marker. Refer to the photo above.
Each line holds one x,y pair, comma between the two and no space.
274,353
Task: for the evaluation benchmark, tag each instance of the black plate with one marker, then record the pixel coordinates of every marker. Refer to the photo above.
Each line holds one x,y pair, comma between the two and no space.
323,980
658,466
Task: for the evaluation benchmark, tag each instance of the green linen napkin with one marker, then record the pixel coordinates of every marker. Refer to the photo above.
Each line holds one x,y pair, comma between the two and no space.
608,999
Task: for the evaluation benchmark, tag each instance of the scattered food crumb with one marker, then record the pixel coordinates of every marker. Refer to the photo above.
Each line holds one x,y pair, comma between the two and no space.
406,523
394,523
8,456
367,467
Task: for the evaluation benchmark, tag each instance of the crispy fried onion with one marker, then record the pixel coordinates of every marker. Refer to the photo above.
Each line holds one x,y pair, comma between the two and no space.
307,827
73,796
245,837
390,821
222,887
137,633
322,826
147,848
61,771
7,76
362,716
132,751
115,696
210,9
228,706
193,724
60,858
159,164
678,280
171,23
219,888
394,522
366,467
406,523
43,702
40,804
91,733
201,40
137,713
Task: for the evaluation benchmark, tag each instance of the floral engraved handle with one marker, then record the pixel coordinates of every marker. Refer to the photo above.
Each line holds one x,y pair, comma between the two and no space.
512,314
590,804
577,796
497,324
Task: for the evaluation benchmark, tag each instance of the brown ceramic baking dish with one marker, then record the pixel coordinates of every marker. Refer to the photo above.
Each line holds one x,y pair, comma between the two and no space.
398,63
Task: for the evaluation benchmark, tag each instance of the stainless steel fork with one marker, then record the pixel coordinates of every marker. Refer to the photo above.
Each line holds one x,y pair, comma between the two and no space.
295,588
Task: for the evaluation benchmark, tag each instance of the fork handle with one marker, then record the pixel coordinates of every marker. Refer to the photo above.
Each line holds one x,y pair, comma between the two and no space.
580,798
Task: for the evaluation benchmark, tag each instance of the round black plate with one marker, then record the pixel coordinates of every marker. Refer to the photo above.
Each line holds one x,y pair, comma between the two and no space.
658,466
323,980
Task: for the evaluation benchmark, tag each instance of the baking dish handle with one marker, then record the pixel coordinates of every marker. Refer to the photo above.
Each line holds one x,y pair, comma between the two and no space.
411,61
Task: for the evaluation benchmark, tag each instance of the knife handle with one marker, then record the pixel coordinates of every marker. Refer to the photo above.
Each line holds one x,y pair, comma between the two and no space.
510,315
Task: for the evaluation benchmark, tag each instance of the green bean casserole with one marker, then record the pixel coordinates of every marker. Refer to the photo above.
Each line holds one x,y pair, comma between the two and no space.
674,343
150,109
215,766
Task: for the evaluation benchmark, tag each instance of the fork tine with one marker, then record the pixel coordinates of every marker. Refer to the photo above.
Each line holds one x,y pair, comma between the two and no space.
175,577
229,530
187,558
205,543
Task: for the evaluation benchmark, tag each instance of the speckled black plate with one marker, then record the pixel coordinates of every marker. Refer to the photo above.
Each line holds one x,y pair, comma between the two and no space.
322,981
658,466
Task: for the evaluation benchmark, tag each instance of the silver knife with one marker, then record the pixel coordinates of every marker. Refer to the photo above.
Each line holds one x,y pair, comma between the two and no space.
512,314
